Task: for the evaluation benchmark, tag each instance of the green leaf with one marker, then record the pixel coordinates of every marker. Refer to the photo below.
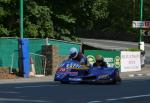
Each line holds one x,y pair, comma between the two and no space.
3,31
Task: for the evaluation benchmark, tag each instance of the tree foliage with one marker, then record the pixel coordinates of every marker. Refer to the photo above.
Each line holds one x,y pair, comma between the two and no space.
65,18
91,12
38,21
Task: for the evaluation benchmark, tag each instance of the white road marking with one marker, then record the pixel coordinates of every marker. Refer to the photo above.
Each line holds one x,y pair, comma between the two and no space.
131,75
22,100
130,97
94,101
148,74
8,92
121,98
140,74
35,86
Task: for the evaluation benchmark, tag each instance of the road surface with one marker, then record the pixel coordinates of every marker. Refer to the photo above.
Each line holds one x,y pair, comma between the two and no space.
130,91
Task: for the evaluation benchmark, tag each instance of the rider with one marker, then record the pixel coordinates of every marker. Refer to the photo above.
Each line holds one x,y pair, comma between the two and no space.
78,56
100,61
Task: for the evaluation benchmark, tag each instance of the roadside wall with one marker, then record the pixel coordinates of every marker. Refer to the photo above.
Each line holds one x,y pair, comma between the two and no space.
53,59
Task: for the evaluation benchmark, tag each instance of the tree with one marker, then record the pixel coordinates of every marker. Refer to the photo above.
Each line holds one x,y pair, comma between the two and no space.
92,12
66,18
38,21
119,19
9,17
63,18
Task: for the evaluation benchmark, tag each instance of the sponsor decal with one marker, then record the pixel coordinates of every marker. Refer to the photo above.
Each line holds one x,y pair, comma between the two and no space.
117,62
108,59
91,59
73,65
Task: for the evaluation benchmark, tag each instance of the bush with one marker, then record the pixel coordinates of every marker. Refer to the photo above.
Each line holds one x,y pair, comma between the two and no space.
133,49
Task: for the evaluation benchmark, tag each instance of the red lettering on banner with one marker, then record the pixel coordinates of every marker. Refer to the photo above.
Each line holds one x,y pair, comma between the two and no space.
147,23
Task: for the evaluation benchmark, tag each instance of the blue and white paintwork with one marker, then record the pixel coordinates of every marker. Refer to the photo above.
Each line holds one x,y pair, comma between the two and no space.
72,71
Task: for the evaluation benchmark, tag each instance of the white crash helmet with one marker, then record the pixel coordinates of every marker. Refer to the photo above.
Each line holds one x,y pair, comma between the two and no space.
73,52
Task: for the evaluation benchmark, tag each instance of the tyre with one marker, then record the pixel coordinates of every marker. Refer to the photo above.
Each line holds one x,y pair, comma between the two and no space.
117,79
64,82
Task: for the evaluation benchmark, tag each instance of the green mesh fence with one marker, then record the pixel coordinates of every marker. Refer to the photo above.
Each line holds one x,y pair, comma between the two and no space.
9,49
14,62
8,46
35,45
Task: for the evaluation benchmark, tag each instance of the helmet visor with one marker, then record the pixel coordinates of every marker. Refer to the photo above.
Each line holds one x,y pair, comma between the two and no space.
73,55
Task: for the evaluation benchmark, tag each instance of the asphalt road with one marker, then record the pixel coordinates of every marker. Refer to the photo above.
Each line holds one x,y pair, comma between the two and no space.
130,91
116,45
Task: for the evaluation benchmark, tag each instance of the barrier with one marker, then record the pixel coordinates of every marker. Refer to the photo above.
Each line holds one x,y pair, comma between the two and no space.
32,71
38,64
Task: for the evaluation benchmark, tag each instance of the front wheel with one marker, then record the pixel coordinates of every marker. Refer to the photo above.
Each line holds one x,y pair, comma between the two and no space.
64,82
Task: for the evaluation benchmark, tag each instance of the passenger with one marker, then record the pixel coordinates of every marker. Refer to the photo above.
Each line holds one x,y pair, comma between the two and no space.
100,61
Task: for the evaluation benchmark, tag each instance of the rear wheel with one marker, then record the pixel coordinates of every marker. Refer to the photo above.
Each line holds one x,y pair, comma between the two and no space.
114,81
117,79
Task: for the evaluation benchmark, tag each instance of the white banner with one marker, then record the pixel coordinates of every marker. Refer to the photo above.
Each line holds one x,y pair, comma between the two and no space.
141,24
130,61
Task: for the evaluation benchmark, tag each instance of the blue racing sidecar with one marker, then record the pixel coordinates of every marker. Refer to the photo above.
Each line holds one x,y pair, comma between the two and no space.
71,71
